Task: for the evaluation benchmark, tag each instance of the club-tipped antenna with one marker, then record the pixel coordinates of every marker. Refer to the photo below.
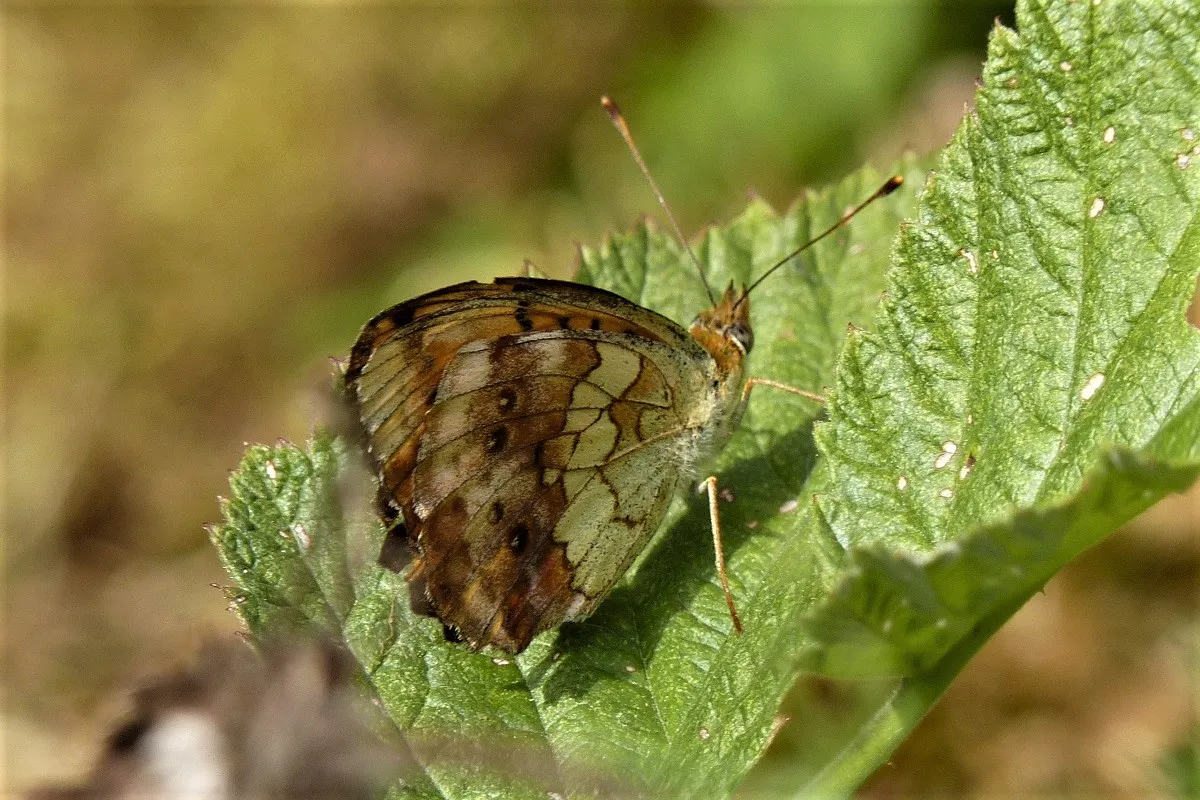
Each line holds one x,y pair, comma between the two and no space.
618,120
890,185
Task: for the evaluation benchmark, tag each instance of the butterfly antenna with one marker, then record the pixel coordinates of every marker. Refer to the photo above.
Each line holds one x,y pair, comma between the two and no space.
622,127
892,184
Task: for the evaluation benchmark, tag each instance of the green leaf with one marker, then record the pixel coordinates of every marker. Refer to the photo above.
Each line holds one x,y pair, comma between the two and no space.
654,693
1032,342
1012,291
900,612
1035,321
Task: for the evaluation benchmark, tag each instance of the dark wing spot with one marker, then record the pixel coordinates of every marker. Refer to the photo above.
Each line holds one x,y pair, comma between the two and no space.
518,538
522,315
402,313
418,599
502,342
431,398
497,439
564,322
497,512
386,503
396,551
595,324
508,399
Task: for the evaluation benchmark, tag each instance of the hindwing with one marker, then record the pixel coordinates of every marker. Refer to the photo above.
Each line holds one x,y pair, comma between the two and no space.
527,436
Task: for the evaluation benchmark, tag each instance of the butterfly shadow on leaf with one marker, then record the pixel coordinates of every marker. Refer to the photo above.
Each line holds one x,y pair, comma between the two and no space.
621,639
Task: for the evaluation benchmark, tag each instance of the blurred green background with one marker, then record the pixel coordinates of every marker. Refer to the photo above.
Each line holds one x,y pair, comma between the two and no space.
204,204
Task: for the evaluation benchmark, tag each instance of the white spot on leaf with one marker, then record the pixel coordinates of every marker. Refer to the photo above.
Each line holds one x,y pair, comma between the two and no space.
789,506
501,662
902,483
1183,161
300,533
630,668
1110,134
752,524
1188,134
942,460
1092,386
1066,66
949,447
270,470
1097,207
972,265
704,734
946,493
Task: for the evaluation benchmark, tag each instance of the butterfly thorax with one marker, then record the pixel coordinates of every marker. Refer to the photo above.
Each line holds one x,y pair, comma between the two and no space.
725,334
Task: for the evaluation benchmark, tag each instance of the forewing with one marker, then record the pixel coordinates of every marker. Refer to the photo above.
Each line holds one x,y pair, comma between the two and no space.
401,354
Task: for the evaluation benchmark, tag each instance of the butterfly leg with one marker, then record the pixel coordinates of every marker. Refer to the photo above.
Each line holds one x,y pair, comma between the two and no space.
714,517
750,384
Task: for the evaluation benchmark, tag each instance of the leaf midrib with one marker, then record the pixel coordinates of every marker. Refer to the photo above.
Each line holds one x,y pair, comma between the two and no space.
1086,255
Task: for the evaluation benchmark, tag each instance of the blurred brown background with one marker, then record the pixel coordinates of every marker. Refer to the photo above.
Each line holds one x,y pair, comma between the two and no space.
204,204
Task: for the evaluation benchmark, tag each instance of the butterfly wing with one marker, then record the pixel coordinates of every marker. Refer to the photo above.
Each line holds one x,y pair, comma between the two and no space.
527,434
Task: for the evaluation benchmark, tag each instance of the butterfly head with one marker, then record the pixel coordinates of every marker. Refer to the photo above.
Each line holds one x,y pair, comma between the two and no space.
724,331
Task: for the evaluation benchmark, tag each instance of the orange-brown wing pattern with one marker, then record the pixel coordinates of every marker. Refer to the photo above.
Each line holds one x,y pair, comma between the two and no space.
503,418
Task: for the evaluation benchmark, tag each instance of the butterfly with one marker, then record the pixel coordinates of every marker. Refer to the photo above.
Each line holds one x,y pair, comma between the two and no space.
529,435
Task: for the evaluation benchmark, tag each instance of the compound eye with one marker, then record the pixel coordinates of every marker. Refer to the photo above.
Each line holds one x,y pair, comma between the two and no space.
742,336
